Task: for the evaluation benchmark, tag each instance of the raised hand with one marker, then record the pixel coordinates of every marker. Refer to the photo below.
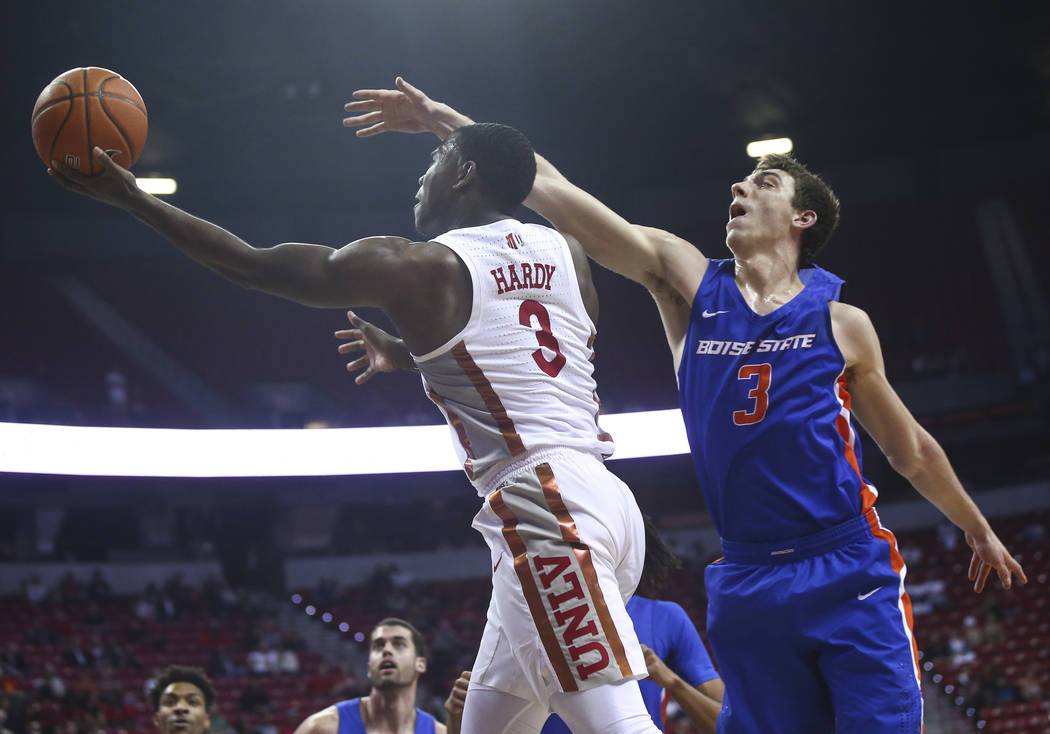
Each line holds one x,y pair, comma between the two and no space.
382,351
989,553
115,185
404,110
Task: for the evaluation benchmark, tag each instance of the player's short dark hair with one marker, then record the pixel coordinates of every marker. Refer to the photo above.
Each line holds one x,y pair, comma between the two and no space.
505,159
417,636
182,674
811,192
660,561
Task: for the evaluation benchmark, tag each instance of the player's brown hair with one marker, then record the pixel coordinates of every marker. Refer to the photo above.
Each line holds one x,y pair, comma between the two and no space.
417,636
811,192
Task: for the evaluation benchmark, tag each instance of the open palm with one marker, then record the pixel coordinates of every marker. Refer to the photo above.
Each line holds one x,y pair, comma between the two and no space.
404,110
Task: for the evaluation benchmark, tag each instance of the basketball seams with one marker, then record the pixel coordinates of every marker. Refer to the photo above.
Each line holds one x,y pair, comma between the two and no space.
71,97
102,105
87,127
54,138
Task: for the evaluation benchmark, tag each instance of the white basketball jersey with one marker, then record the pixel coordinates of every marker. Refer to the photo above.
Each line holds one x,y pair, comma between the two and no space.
519,376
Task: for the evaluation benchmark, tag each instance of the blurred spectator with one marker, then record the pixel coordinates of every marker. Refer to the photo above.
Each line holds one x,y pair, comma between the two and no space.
12,661
254,698
34,590
50,684
288,661
1035,532
76,656
960,649
1005,692
257,664
221,665
3,723
948,534
1029,686
993,631
144,609
974,637
98,588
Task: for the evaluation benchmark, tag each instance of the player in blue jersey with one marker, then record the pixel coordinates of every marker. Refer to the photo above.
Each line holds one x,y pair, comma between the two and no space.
396,659
807,614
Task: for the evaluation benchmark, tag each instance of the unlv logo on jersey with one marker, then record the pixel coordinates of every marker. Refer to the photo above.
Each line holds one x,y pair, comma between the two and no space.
513,240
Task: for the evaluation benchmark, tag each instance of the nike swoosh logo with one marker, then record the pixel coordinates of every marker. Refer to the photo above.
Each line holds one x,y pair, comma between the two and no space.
708,314
862,597
497,563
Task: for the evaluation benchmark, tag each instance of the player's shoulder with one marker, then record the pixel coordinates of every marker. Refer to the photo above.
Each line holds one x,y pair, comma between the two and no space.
325,721
661,607
849,319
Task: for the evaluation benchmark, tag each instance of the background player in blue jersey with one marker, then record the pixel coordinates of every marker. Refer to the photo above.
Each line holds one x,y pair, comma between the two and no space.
396,659
807,616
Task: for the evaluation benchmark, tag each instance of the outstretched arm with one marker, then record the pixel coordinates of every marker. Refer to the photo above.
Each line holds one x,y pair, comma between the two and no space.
668,266
314,275
910,449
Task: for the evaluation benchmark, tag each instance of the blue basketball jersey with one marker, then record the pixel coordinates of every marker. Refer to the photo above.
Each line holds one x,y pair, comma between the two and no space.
350,719
767,411
666,629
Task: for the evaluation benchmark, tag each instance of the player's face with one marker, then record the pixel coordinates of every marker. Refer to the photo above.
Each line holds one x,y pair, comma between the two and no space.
761,209
182,710
434,197
392,659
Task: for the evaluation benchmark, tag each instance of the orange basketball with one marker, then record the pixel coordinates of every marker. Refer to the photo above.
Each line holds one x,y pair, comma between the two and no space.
86,107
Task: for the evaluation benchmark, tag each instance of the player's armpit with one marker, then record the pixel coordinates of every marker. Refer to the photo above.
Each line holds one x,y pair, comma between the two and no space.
874,401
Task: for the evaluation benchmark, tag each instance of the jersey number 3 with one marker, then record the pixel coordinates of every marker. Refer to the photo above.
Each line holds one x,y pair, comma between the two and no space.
760,393
544,336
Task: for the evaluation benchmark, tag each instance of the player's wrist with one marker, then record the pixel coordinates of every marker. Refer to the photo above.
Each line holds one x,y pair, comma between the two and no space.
444,120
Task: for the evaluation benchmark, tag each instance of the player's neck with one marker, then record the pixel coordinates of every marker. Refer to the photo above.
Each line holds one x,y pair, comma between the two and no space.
473,217
390,710
767,279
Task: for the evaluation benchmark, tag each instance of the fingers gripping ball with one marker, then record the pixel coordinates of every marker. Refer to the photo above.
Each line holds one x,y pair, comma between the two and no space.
85,107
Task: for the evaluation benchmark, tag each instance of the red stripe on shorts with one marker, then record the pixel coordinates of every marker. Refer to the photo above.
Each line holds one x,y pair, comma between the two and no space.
532,593
583,554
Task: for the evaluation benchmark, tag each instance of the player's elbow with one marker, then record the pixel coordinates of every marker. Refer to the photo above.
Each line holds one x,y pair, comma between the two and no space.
910,457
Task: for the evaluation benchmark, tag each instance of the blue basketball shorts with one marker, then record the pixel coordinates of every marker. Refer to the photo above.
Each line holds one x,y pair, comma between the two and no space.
814,634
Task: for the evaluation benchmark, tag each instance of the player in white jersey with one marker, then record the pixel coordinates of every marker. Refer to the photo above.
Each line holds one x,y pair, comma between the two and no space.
505,351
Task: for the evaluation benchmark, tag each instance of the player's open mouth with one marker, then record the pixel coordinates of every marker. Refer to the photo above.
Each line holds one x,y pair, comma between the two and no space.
736,210
388,666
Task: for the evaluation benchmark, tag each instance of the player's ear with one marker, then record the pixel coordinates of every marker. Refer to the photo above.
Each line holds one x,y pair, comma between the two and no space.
804,219
466,173
421,665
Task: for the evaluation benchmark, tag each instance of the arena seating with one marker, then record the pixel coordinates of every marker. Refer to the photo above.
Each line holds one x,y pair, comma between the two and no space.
1005,641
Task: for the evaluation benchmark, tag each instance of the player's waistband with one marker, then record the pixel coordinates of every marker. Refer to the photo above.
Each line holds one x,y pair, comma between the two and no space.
794,549
498,474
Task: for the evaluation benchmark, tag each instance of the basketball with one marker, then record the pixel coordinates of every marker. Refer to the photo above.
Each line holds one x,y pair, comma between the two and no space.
85,107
